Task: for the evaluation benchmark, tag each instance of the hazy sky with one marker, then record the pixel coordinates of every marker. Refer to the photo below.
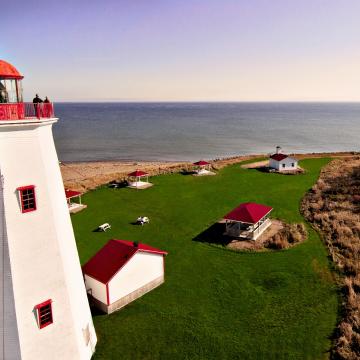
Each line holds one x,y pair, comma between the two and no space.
197,50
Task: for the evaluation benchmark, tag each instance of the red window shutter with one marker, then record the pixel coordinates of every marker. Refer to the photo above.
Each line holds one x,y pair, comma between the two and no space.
44,313
27,198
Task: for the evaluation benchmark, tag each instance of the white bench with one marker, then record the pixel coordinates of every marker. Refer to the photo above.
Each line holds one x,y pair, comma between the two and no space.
104,227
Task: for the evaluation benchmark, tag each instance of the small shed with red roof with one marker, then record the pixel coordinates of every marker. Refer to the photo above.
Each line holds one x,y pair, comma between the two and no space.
248,221
122,271
135,180
282,162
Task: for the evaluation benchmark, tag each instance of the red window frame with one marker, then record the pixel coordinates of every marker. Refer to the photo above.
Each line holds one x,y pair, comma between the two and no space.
28,202
44,313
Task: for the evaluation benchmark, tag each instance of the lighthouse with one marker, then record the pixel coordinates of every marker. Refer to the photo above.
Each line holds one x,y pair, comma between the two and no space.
44,310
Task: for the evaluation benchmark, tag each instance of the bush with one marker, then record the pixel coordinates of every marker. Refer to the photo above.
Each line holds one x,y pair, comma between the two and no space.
333,208
288,235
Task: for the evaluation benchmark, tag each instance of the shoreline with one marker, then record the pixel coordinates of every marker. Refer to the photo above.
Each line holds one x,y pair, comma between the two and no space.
225,157
87,175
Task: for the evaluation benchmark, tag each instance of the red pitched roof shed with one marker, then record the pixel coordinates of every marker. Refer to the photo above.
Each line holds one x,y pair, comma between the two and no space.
279,157
112,257
138,173
249,213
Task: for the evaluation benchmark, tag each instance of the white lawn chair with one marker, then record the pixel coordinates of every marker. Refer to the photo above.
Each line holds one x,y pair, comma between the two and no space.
143,220
104,227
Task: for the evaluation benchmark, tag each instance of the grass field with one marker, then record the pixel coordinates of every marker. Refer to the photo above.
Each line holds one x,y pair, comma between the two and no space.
215,303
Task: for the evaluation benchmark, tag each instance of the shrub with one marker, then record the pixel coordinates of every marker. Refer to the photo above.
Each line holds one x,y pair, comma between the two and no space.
288,235
333,208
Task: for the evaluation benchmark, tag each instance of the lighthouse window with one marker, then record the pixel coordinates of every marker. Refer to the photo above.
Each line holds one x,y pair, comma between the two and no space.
3,93
27,197
9,91
44,314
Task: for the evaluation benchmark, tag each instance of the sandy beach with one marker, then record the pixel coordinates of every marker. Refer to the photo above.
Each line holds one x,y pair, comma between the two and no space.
84,176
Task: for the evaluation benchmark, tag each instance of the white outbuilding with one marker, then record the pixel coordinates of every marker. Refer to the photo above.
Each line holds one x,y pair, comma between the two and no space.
121,272
282,162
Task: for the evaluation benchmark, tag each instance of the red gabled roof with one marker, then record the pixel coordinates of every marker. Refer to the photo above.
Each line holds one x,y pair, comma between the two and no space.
112,257
201,163
71,193
138,173
9,71
249,213
279,157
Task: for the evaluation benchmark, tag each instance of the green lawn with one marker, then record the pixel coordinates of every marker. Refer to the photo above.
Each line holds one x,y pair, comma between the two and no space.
215,303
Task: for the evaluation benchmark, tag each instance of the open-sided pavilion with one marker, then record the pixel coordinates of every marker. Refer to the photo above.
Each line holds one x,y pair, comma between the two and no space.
247,221
202,168
135,180
73,206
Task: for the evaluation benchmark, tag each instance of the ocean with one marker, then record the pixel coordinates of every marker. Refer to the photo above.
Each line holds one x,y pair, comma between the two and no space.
193,131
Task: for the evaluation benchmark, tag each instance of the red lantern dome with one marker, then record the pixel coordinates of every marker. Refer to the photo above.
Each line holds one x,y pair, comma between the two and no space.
12,106
8,71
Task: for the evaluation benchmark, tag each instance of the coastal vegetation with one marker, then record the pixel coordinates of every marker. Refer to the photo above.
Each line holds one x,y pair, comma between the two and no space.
216,303
332,206
289,235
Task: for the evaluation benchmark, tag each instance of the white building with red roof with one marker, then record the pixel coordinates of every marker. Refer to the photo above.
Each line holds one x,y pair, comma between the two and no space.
282,162
247,221
121,272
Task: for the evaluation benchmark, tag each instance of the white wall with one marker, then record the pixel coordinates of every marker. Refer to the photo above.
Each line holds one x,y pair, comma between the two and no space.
42,249
9,341
141,269
97,289
278,165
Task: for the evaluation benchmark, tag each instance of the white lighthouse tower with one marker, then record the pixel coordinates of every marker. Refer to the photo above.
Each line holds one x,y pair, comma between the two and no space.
44,310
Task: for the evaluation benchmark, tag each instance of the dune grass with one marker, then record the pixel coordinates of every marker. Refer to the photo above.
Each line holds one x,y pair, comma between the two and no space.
215,303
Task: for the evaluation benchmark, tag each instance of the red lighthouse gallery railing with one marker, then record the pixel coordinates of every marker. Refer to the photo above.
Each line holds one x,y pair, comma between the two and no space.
21,111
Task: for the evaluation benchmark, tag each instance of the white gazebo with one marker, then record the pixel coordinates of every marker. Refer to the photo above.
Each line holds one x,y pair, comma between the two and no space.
247,221
202,168
73,206
135,180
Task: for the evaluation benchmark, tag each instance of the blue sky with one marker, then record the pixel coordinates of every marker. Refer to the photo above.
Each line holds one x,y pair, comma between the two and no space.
195,50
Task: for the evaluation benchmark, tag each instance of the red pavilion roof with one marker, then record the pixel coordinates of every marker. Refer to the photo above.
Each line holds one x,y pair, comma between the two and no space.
138,173
249,213
201,163
112,257
71,193
8,71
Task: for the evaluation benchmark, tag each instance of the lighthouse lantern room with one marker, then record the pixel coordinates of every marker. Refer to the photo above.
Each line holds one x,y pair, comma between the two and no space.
12,106
44,310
